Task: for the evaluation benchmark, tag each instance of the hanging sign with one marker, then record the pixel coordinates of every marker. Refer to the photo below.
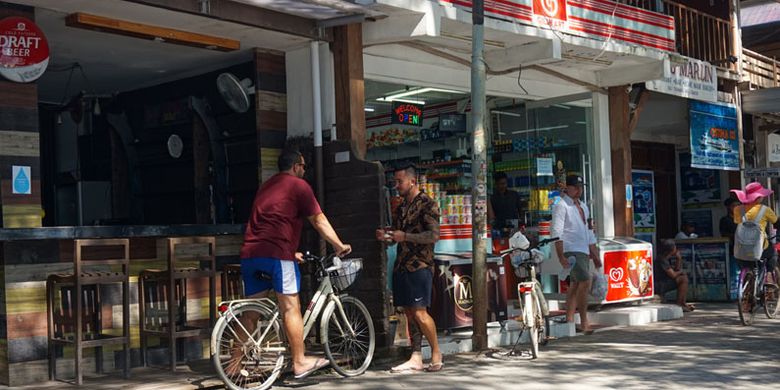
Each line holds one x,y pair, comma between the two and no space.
24,52
550,13
20,177
544,166
692,79
406,114
714,143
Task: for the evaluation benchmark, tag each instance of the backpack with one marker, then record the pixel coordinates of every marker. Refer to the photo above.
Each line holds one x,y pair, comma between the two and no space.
749,239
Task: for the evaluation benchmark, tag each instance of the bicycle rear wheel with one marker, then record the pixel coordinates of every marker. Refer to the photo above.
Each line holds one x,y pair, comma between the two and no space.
244,364
772,293
350,352
747,299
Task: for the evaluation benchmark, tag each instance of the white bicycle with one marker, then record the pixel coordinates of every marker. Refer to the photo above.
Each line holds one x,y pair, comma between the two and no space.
346,330
529,292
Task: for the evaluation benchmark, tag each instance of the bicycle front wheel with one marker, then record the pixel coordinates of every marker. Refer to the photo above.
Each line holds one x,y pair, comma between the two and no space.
532,315
772,293
248,348
747,299
348,336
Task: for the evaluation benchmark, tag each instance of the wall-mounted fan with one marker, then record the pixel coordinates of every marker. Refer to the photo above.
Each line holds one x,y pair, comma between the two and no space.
236,93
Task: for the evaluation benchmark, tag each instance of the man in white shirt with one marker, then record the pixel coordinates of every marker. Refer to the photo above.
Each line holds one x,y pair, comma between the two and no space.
577,244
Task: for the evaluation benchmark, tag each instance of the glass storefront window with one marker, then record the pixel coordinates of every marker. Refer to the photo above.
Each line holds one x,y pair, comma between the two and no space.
536,145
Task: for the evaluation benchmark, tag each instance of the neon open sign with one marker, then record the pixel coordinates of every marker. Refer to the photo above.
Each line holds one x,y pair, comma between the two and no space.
406,114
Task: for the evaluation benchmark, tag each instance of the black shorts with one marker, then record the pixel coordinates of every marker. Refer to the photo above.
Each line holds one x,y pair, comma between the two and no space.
412,289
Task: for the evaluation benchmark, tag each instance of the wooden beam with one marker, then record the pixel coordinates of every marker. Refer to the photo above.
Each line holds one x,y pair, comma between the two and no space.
248,15
146,31
620,146
350,89
640,105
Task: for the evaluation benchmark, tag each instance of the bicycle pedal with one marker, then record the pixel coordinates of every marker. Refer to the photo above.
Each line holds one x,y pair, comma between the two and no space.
550,338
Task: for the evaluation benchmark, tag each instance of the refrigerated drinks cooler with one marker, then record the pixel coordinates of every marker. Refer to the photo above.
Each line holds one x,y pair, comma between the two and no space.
452,299
628,267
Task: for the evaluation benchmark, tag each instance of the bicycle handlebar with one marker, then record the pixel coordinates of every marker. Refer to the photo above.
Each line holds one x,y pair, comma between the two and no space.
529,249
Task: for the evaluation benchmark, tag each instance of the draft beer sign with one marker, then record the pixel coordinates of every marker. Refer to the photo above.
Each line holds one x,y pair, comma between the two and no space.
406,114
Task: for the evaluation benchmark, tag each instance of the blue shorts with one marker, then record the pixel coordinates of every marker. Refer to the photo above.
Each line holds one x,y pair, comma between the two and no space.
285,275
412,289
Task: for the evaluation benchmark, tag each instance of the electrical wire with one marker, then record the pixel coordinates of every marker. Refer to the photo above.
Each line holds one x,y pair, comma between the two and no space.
519,73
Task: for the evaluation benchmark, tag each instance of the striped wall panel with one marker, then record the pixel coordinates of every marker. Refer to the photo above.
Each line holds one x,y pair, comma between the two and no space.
23,325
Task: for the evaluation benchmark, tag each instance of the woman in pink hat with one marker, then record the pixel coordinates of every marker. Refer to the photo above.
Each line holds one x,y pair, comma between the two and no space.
751,199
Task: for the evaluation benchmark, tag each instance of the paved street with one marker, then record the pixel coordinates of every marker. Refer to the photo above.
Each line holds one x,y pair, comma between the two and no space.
707,349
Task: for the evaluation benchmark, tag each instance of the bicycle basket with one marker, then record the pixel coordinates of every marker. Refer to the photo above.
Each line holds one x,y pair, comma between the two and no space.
343,277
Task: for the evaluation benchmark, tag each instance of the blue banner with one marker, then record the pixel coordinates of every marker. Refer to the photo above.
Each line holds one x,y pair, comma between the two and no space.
714,138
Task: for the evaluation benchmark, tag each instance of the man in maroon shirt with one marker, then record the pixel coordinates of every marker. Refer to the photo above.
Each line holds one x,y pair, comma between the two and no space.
270,248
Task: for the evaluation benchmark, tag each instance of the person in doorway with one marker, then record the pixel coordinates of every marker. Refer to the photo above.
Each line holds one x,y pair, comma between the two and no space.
669,274
687,231
415,230
727,225
270,244
505,204
752,198
577,245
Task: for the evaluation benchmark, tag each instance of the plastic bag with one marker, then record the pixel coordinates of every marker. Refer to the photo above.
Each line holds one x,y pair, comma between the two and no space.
598,286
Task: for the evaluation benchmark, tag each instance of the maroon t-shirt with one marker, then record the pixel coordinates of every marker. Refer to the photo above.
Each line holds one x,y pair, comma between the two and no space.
280,206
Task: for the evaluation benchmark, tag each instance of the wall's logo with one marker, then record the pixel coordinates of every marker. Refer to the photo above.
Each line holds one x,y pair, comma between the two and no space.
616,274
550,13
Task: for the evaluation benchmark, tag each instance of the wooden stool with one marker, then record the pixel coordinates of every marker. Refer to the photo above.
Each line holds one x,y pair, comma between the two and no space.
74,306
162,297
232,282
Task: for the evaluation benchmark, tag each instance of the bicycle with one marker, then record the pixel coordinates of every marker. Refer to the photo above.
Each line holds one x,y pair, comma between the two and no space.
346,330
764,293
532,302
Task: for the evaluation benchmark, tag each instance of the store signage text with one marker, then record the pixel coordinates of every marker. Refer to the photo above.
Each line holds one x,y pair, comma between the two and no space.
24,51
762,172
692,79
774,147
406,114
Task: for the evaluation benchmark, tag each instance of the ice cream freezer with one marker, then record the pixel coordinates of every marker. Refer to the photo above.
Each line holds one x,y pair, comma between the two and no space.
452,302
627,266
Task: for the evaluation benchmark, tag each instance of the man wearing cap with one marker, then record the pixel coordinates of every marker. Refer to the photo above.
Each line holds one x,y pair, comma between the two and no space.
578,245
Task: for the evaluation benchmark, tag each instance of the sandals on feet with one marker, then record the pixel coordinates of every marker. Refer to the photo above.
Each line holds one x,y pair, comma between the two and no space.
320,363
434,367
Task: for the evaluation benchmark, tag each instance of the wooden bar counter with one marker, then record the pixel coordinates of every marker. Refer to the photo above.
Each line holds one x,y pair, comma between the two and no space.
28,256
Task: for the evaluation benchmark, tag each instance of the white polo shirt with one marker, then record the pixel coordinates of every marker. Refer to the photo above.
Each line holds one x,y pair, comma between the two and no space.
567,224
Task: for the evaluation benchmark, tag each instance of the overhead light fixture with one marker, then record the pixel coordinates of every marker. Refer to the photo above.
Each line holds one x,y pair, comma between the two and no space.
541,129
146,31
562,106
395,96
411,101
368,109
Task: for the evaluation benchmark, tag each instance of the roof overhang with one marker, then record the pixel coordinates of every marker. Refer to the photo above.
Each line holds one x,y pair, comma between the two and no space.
761,101
421,37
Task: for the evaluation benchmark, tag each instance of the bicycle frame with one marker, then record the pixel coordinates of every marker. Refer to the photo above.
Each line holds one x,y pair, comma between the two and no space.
760,271
322,296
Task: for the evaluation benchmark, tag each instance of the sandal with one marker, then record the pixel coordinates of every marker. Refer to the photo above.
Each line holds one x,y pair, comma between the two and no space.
320,363
434,367
402,369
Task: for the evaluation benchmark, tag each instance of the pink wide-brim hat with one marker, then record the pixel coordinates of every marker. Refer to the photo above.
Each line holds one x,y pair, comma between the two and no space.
752,192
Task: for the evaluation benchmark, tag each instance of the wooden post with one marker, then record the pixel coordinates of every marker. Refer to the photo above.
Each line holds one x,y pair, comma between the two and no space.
350,91
270,109
620,145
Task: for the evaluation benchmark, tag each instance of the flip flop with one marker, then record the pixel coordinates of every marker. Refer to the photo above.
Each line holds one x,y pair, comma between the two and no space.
320,363
404,369
434,367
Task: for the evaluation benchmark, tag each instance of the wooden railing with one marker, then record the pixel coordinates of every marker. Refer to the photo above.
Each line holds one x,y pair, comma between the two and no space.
697,34
760,70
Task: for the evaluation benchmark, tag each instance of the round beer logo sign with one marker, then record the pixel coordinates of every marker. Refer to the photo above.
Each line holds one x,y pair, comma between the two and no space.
24,52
